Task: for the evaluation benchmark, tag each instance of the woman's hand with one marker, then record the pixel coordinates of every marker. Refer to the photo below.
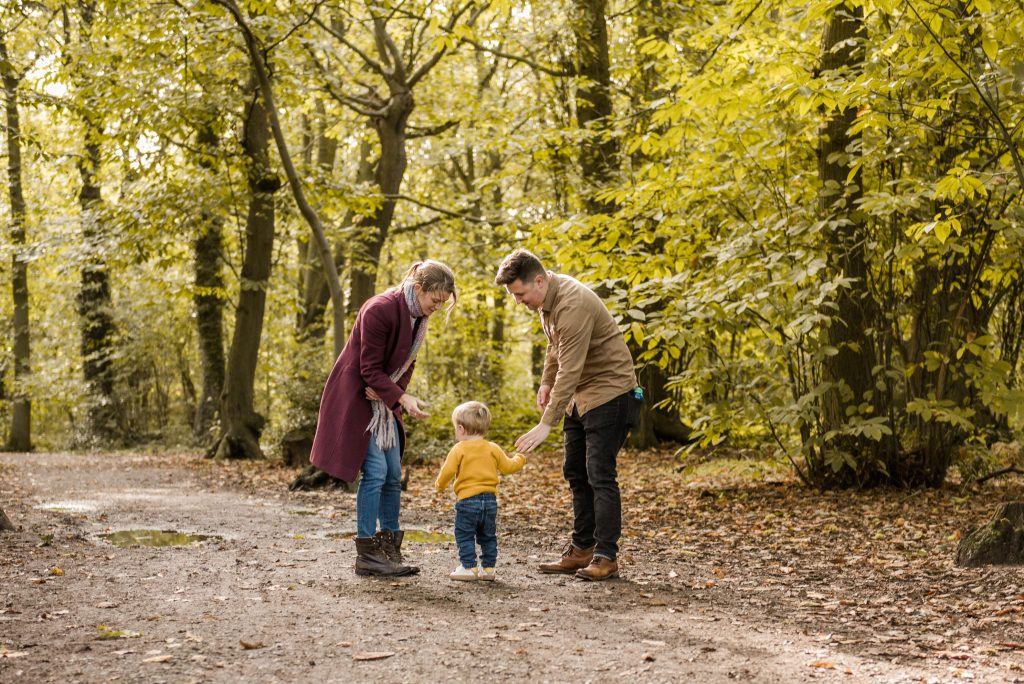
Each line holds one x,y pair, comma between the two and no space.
371,395
413,406
532,439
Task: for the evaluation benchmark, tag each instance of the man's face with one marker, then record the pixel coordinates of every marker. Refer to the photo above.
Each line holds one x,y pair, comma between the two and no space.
530,294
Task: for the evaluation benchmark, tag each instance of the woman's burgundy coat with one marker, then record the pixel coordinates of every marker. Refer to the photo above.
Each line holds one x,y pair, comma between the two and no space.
380,342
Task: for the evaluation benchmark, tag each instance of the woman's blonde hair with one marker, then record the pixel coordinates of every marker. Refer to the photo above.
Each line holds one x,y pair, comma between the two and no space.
433,276
473,416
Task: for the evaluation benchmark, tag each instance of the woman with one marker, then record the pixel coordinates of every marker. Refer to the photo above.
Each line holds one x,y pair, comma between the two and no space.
360,424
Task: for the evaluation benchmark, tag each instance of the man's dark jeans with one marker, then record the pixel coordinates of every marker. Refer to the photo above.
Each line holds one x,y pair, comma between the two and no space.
592,444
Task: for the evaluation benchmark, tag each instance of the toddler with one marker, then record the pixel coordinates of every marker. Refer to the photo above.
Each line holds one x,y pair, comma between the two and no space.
475,463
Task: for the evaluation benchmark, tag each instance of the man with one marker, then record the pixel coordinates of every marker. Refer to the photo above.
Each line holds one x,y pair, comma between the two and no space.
589,378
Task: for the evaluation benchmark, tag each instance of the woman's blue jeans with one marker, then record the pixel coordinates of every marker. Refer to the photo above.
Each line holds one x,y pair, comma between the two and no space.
380,490
476,522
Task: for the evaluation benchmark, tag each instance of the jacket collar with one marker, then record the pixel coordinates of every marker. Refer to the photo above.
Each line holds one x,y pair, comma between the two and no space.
552,294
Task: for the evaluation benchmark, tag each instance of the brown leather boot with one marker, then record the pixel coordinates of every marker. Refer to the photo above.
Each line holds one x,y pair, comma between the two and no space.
391,543
572,560
599,569
372,560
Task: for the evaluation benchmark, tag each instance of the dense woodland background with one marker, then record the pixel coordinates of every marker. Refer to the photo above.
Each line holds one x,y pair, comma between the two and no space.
806,215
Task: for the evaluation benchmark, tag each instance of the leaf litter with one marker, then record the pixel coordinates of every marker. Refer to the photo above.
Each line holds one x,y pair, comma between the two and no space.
870,572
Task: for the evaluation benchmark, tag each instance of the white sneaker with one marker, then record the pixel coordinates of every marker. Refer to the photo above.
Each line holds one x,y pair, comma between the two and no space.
487,574
463,575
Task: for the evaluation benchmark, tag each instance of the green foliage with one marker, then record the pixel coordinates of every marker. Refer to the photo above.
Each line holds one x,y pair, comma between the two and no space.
715,254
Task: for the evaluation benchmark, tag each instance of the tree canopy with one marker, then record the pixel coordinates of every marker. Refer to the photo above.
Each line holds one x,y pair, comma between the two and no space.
806,216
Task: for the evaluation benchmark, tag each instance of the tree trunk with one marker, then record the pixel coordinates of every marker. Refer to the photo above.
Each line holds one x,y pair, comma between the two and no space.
303,395
949,302
261,74
94,299
20,438
850,369
1000,541
598,152
241,425
315,293
209,298
390,171
653,19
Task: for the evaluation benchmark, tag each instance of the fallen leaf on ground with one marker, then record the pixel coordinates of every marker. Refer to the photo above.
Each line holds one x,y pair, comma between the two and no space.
250,645
117,634
159,659
373,655
824,665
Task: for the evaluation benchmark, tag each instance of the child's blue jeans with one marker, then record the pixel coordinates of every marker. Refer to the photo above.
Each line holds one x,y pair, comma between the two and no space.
476,522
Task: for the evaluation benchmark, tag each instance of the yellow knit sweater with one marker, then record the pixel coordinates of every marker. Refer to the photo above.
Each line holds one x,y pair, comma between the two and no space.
475,464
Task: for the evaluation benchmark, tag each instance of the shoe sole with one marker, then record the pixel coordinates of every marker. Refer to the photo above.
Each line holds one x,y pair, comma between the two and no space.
558,572
463,579
613,575
370,573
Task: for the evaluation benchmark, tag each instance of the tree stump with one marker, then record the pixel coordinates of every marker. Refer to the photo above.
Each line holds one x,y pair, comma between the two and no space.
314,478
5,523
296,445
998,542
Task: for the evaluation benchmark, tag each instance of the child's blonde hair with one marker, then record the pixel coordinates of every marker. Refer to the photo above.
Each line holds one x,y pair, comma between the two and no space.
473,416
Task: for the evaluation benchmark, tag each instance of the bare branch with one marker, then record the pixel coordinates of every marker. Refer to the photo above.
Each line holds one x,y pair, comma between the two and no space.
415,226
429,131
370,61
388,50
998,473
498,52
1008,140
436,57
727,38
446,212
293,29
361,105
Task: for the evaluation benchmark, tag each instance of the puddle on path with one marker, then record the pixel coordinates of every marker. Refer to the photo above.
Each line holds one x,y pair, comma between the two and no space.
126,538
412,536
69,506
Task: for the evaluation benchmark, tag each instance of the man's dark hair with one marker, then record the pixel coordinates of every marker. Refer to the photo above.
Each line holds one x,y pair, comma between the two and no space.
521,265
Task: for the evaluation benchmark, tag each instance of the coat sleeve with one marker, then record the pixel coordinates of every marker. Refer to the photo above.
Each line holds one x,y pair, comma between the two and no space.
376,326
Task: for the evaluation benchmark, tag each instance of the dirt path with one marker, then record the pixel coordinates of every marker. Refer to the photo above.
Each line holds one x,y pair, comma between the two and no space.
275,599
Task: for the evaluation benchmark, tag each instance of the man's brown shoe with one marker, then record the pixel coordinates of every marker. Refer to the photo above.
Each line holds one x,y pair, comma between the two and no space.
599,569
572,560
